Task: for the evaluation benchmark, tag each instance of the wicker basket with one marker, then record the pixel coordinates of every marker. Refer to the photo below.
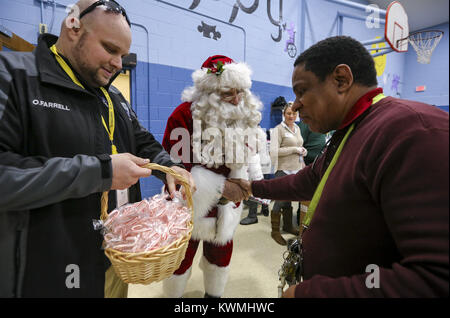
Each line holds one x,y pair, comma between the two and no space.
155,265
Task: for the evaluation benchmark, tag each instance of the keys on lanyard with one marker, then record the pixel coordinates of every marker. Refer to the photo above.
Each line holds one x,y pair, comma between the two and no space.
292,268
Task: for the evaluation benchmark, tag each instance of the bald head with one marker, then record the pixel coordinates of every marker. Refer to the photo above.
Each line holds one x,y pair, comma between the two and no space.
95,15
95,43
84,4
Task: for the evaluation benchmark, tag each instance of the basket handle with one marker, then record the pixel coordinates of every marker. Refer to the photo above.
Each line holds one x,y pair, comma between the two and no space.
153,166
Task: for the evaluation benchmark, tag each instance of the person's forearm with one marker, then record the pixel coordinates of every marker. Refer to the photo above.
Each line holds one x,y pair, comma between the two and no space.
423,281
56,180
297,187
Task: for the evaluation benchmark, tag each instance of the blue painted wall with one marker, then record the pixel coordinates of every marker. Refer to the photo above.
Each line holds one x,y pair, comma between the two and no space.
169,46
161,91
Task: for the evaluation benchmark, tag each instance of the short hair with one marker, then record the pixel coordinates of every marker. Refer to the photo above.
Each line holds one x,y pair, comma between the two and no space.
323,57
278,103
288,105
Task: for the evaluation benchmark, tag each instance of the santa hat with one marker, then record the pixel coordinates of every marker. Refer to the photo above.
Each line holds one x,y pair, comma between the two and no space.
219,72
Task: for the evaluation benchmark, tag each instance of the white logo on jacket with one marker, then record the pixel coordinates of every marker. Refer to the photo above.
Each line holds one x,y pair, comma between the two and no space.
42,103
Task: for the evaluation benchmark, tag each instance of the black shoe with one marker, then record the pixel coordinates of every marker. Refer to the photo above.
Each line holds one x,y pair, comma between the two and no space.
265,210
248,220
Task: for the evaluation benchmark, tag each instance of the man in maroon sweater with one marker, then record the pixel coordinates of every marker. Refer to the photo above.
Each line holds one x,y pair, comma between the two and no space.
380,228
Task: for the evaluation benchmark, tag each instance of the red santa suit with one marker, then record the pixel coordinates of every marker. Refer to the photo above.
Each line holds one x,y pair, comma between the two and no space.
214,223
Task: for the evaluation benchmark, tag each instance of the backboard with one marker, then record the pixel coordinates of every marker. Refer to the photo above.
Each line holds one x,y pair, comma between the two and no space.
396,29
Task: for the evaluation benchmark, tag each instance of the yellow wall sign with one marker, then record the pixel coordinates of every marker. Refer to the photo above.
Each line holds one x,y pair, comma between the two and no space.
122,83
380,61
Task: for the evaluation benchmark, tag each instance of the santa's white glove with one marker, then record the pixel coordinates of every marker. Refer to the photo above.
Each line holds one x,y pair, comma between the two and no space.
302,151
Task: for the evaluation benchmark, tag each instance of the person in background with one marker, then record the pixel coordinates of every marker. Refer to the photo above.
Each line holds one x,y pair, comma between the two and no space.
287,152
266,168
262,160
378,223
276,111
314,143
218,105
66,136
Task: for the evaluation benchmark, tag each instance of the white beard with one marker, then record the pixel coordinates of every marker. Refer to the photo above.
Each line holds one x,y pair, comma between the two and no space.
223,130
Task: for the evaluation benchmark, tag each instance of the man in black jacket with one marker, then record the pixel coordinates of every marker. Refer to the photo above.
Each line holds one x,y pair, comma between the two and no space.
66,136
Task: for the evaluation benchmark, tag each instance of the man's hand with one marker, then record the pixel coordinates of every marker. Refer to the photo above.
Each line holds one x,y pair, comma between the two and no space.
233,191
290,292
172,182
127,170
244,184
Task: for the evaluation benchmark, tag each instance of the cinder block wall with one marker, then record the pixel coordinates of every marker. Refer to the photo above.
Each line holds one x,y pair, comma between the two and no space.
170,43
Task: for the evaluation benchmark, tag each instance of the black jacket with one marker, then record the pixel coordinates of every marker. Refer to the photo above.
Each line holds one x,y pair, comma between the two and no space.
51,178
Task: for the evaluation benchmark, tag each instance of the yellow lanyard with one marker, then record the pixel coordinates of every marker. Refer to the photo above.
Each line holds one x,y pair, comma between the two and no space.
69,72
318,193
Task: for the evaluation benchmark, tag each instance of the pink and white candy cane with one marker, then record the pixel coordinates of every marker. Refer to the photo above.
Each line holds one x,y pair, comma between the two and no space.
146,225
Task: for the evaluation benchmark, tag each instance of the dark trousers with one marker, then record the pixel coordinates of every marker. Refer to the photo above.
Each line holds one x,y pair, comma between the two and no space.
278,205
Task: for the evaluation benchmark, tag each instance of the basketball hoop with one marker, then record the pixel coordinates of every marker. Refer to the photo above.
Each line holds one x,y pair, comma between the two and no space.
424,43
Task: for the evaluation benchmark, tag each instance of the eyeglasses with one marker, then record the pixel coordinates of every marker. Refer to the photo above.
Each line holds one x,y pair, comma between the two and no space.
230,95
111,6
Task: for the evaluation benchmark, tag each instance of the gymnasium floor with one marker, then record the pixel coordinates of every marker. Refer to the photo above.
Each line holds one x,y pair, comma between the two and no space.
253,269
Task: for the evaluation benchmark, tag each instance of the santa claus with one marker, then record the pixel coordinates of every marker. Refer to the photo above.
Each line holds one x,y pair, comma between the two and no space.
219,119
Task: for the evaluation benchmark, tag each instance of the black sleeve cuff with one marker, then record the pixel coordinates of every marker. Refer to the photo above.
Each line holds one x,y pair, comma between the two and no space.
105,161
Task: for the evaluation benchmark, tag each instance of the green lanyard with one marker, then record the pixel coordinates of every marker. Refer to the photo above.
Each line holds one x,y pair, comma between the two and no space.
318,193
72,76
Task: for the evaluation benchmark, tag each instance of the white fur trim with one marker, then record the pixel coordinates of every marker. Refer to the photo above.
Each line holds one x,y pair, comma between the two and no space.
204,229
214,277
228,218
234,75
228,215
240,173
254,168
175,285
218,230
209,191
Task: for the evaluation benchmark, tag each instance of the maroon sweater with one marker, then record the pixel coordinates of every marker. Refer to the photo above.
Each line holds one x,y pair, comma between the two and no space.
385,203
